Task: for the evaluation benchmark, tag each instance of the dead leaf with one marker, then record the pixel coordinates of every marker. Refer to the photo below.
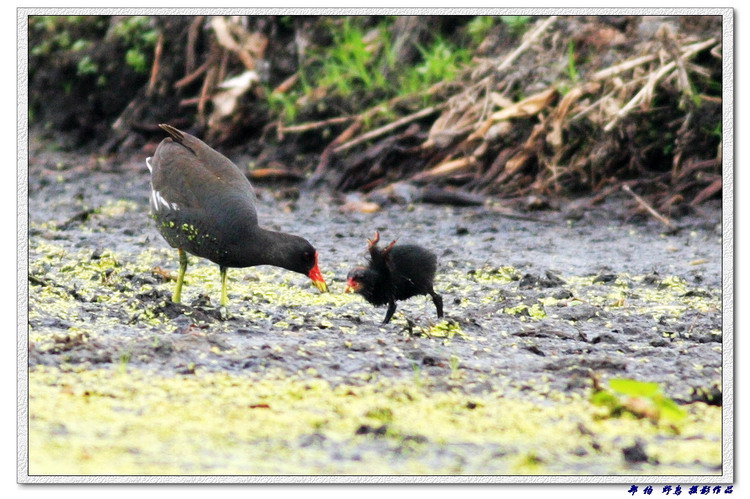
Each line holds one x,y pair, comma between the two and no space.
522,109
500,101
528,107
251,46
163,273
360,207
446,168
225,100
554,138
460,117
603,37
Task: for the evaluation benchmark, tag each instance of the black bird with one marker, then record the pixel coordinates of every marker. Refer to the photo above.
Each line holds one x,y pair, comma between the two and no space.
204,205
395,273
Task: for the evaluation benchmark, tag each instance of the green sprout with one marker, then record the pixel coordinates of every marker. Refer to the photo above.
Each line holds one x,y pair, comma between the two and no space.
517,24
479,27
572,71
638,398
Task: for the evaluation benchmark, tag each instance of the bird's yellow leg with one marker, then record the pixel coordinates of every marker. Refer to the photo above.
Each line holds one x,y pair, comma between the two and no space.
177,296
224,297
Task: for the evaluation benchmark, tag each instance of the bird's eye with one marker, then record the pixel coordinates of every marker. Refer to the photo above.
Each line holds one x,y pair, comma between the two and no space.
306,256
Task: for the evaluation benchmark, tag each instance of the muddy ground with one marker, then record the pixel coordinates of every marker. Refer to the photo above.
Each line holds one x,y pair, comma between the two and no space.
533,309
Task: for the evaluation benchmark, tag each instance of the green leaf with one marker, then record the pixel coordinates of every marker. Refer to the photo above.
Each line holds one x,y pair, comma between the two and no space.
87,66
136,60
669,410
605,399
634,388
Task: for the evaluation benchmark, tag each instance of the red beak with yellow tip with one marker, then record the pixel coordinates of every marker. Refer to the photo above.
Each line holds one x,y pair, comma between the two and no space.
352,286
317,277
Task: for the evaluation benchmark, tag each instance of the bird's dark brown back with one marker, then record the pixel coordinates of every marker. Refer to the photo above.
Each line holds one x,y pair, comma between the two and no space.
191,174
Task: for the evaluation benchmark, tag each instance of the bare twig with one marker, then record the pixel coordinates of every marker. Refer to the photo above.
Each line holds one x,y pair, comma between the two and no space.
641,96
605,74
586,110
223,65
190,78
192,38
287,84
446,168
653,79
208,84
669,41
648,207
484,183
528,42
157,61
274,173
605,192
706,193
529,106
306,127
706,164
387,128
630,64
325,157
190,101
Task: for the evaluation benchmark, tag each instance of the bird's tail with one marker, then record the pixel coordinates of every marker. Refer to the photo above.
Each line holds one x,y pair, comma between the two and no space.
176,135
173,132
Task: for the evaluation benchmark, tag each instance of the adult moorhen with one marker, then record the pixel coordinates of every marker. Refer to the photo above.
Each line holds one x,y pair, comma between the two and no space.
395,273
204,205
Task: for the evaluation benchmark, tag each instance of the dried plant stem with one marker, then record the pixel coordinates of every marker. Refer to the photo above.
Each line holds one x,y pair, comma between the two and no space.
190,78
528,42
192,40
325,157
653,79
287,84
306,127
226,40
648,207
706,193
622,67
157,62
208,84
447,168
387,128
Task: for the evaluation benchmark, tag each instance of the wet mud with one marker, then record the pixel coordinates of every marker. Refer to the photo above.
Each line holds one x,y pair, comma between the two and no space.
534,310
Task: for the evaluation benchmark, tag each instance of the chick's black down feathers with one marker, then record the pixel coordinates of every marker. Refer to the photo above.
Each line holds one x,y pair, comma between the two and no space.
396,273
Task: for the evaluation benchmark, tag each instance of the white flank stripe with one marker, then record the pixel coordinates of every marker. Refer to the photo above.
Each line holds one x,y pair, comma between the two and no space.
148,164
162,201
157,201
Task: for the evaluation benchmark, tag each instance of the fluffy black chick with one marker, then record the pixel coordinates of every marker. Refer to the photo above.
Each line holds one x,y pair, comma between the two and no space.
395,273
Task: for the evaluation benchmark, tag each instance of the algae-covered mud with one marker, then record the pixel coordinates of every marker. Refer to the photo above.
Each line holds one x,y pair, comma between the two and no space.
540,316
